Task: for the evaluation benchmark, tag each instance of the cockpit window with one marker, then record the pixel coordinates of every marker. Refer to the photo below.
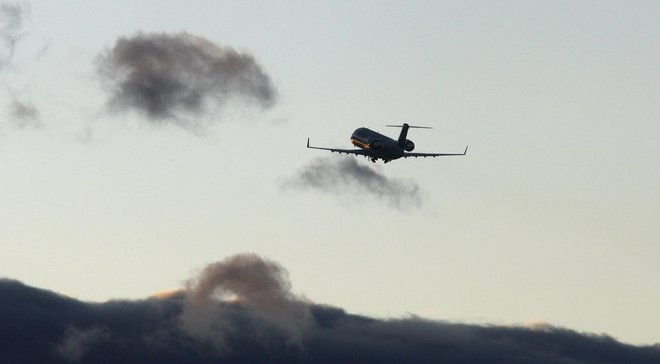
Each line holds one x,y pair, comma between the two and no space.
361,132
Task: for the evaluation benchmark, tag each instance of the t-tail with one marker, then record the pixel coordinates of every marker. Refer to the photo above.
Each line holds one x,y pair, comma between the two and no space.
404,132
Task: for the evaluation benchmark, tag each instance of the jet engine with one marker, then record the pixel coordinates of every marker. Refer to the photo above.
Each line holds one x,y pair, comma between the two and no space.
408,146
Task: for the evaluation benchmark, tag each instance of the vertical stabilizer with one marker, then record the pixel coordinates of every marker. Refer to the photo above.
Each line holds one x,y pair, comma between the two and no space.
403,135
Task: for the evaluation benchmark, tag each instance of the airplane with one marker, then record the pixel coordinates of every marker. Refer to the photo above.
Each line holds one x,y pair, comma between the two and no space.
376,146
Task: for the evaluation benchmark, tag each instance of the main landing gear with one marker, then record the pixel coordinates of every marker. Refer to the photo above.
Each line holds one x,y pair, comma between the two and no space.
375,159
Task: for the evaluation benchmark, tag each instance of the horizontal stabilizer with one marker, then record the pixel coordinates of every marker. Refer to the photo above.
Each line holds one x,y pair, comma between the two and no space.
410,126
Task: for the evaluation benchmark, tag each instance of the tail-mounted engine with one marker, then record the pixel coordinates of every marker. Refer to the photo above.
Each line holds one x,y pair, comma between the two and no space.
408,145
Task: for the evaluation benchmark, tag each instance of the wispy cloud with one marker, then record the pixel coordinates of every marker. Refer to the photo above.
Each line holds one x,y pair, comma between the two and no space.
12,17
23,114
345,176
76,342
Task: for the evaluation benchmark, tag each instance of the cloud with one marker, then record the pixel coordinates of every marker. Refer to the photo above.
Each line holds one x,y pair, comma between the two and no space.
248,300
255,283
418,340
175,77
11,24
76,341
23,114
348,177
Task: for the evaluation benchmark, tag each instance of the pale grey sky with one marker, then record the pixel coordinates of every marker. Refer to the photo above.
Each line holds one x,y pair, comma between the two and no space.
553,216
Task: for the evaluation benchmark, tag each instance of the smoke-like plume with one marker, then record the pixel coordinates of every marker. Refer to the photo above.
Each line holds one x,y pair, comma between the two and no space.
11,23
174,77
347,176
257,284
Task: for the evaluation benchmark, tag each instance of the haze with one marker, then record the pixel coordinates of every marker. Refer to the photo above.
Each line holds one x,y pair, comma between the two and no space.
551,217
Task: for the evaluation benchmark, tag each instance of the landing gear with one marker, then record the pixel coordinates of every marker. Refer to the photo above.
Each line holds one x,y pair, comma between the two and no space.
373,160
385,160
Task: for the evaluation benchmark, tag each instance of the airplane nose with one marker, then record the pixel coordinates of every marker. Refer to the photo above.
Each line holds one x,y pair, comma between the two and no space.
359,142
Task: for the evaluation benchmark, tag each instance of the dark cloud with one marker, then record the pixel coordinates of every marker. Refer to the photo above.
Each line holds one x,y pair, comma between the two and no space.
12,17
176,77
248,303
345,175
348,338
23,114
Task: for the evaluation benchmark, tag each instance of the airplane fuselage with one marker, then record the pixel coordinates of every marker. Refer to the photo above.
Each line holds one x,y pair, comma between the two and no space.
377,145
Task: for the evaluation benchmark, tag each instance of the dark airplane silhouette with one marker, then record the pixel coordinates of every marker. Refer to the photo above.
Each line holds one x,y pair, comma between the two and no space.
377,146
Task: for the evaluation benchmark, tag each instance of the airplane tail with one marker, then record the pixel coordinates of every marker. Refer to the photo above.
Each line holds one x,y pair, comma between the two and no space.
404,131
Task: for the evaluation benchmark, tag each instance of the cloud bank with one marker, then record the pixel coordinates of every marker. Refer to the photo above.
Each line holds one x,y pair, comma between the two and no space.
345,176
179,76
247,302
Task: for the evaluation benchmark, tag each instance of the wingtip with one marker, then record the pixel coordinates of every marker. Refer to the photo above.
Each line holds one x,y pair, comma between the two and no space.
307,142
466,148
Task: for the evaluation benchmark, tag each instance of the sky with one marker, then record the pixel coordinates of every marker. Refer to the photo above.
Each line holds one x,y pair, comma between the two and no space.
552,217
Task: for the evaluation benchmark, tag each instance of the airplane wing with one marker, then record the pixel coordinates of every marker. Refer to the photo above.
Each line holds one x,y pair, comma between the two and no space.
424,155
347,151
